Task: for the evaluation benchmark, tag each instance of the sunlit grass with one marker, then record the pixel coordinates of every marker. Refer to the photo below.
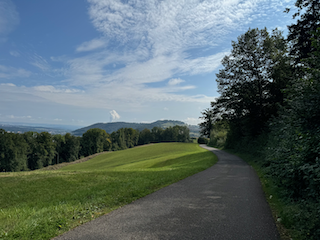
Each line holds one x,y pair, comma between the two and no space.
43,204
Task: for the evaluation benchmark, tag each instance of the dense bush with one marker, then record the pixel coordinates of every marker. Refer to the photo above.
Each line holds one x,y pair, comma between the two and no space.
203,140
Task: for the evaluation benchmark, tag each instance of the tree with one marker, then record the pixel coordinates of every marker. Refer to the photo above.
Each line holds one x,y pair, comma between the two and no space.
59,141
157,133
293,149
145,137
183,133
131,137
70,148
13,149
41,149
249,83
118,139
303,31
206,125
93,141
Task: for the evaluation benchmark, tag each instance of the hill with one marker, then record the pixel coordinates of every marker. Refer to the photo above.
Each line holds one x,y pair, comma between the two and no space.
114,126
44,204
27,128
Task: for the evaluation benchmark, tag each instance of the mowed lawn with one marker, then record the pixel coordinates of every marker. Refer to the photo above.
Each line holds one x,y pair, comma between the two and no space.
44,204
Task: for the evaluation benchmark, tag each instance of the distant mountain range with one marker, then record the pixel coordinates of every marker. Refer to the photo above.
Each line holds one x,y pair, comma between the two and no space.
25,128
108,127
114,126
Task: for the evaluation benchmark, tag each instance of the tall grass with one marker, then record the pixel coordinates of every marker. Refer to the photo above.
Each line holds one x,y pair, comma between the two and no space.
44,204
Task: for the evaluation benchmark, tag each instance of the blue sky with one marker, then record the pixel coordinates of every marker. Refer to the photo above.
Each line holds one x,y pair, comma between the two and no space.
80,62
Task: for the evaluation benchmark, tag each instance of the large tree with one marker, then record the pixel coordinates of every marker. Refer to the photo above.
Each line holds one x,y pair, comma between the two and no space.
13,150
303,31
250,82
93,141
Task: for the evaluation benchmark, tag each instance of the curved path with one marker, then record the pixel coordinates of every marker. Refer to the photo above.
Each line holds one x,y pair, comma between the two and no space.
223,202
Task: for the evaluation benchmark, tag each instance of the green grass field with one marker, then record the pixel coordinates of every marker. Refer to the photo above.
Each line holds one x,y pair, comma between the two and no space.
44,204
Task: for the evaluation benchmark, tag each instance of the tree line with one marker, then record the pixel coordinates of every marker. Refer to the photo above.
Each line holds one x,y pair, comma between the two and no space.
32,150
269,105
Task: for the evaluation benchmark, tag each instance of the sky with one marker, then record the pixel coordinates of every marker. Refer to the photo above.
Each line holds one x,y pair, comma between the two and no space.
80,62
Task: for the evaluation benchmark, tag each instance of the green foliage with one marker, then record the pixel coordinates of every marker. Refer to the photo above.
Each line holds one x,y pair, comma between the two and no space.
33,150
70,148
32,207
294,160
271,102
145,137
93,141
218,135
13,149
41,149
203,140
302,32
250,84
176,134
207,124
59,141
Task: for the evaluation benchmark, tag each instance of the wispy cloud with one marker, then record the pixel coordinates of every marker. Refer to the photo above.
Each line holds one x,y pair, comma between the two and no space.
175,81
52,89
17,117
9,18
14,53
11,72
91,45
146,54
40,62
153,42
155,39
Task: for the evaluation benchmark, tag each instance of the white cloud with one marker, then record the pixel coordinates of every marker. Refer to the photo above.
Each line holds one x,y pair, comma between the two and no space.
9,18
8,84
114,115
40,62
153,41
11,72
52,89
175,81
192,121
155,44
14,53
17,117
91,45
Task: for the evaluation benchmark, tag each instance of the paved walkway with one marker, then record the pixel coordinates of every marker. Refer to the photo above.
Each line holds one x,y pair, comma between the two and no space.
223,202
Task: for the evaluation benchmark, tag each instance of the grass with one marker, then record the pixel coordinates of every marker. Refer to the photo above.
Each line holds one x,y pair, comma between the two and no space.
44,204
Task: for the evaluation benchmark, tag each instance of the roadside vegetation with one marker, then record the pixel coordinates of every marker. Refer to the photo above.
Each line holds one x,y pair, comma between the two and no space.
32,150
268,112
43,204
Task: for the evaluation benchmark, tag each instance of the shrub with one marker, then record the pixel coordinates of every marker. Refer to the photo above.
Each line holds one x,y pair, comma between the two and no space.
203,140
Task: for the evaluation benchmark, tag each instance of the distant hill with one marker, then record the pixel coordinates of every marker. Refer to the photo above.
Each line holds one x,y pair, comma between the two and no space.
39,129
114,126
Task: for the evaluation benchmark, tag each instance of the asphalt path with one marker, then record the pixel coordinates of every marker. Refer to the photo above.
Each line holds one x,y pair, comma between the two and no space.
223,202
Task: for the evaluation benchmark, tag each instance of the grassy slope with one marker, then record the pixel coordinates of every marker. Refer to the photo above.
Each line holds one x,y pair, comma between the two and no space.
43,204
